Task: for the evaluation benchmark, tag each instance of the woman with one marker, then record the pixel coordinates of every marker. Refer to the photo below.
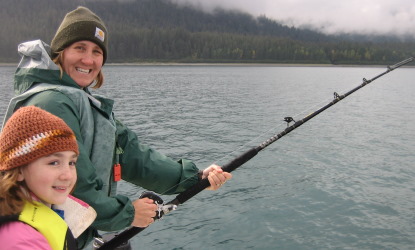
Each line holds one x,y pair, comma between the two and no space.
38,152
108,149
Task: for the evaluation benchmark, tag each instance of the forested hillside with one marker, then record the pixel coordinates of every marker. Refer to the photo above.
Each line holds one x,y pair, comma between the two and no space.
159,30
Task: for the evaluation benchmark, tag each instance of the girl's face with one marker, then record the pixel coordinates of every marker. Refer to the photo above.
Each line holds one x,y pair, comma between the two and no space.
82,61
51,178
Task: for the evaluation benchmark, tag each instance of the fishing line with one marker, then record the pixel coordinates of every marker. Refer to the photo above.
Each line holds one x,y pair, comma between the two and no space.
261,135
235,151
242,159
274,128
287,120
299,114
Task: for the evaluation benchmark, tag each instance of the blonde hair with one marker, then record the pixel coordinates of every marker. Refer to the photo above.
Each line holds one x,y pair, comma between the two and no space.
13,193
99,80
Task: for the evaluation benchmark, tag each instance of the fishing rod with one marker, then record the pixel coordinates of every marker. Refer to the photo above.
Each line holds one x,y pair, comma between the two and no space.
235,163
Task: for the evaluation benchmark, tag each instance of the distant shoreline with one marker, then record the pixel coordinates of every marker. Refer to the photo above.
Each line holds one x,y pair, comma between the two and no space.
246,64
231,64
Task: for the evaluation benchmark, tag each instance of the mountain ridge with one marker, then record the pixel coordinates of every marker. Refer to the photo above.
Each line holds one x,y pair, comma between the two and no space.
160,30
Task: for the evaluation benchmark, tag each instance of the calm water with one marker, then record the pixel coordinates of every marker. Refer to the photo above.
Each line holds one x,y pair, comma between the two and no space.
344,180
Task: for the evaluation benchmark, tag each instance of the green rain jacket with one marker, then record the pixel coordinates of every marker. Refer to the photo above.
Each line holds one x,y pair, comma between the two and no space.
103,141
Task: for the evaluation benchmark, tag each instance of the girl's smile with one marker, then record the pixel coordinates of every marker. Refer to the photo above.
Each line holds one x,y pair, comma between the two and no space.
51,178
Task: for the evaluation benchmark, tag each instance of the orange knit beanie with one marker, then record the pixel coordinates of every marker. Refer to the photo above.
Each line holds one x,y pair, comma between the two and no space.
32,133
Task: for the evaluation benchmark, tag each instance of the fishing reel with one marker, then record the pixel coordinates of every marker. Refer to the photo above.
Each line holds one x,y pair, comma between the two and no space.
162,208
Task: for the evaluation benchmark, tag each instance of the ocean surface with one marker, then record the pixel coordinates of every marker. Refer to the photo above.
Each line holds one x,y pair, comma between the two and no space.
343,180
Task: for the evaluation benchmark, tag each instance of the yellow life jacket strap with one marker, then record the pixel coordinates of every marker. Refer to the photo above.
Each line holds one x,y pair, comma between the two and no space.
47,222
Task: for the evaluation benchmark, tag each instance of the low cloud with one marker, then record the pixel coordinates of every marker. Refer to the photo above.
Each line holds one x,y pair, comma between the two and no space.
384,17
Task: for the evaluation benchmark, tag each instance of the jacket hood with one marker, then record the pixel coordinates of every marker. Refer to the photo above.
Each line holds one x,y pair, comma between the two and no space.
36,66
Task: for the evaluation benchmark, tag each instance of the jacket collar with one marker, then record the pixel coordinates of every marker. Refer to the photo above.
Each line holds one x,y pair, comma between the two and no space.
36,66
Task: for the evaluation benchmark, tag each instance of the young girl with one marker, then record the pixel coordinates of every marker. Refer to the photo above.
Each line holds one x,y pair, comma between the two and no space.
38,152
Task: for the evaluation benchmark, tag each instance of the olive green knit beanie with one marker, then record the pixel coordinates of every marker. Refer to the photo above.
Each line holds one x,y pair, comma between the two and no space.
31,133
80,24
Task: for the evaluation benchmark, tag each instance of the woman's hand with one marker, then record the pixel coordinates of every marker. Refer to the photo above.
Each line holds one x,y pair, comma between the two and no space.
145,210
216,176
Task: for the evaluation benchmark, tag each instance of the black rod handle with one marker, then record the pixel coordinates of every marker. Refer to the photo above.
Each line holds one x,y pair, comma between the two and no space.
121,238
204,183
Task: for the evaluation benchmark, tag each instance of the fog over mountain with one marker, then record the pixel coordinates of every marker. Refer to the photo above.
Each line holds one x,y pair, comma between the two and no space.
380,17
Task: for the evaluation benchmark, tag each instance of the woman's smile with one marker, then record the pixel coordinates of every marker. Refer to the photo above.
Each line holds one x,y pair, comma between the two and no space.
82,61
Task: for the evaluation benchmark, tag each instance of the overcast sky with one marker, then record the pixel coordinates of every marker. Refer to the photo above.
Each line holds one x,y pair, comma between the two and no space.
329,16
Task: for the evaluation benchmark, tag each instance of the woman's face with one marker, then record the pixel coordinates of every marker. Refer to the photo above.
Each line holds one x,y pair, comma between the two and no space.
82,61
51,178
